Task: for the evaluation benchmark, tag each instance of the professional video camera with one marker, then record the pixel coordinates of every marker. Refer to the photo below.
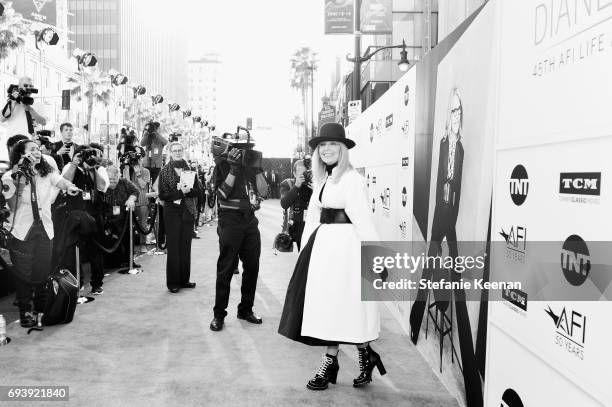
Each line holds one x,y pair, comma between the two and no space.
24,96
221,146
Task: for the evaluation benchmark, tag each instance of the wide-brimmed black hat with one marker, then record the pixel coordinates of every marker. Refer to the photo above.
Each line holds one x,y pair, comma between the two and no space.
331,132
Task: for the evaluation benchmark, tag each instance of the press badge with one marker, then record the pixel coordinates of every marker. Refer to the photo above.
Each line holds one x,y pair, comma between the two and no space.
116,210
86,196
156,151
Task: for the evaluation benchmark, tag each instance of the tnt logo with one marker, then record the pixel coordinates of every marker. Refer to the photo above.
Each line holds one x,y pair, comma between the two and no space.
519,185
575,260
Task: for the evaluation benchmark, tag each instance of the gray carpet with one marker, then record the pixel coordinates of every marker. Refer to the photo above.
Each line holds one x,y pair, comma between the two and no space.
139,345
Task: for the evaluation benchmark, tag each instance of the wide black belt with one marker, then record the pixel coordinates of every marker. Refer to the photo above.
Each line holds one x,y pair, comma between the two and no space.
331,215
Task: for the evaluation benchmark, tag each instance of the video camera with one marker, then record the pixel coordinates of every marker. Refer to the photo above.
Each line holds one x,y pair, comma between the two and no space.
24,96
221,146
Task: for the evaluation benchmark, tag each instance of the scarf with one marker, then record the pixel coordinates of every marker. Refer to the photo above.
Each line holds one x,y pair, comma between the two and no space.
170,178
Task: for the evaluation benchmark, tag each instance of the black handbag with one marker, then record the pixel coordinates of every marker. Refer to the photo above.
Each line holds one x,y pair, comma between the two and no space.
283,242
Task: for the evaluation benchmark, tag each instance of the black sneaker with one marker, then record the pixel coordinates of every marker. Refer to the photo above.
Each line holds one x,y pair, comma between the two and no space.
97,291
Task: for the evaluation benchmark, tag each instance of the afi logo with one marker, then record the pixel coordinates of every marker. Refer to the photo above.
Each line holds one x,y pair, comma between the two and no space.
516,238
580,183
570,327
575,260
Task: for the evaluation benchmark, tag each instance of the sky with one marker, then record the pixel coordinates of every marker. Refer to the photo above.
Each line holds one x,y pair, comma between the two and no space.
256,39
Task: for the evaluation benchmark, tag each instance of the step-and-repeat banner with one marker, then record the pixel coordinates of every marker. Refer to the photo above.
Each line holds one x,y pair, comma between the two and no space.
552,184
516,150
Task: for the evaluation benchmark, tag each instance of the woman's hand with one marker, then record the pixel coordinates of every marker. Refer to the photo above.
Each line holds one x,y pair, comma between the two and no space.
130,204
73,190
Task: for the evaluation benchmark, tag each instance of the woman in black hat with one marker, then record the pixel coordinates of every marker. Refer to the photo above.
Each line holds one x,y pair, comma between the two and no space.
323,304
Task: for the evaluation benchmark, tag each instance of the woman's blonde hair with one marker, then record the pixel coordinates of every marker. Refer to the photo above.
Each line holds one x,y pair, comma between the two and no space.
447,128
318,166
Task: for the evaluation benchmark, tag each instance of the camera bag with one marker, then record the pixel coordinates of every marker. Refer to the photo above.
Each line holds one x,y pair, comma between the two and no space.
62,293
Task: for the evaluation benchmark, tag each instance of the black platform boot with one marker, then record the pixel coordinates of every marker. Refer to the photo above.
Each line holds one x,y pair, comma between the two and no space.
368,359
327,373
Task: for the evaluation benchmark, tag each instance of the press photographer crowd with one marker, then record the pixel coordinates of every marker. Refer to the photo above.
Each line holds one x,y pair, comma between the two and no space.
65,205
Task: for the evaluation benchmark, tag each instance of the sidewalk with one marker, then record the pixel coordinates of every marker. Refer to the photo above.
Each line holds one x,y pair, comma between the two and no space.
139,345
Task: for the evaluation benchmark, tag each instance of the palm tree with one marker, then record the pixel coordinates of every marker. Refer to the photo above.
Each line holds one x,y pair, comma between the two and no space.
302,66
13,30
96,89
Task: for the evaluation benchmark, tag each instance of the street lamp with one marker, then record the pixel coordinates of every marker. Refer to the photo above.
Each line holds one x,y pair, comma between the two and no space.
117,78
48,35
403,64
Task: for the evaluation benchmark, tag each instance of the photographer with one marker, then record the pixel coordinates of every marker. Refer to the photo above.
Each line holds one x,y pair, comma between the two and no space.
84,171
141,178
153,144
120,196
65,147
43,139
32,186
238,188
20,113
295,196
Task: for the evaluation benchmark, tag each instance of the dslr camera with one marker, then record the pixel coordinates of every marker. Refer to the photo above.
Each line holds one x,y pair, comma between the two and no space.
221,146
25,94
308,170
44,137
131,158
89,156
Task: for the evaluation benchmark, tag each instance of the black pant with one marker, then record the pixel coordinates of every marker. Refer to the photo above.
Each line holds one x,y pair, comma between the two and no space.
31,260
296,230
238,239
90,252
179,232
154,171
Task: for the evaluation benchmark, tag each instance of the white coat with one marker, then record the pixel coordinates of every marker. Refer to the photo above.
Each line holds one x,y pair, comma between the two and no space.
333,309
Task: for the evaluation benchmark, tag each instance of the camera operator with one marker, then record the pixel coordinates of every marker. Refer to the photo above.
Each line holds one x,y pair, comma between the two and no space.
120,196
32,186
20,113
295,196
237,187
65,147
153,144
84,171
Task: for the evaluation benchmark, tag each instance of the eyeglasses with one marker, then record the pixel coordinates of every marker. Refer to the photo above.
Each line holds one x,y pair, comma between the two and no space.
456,110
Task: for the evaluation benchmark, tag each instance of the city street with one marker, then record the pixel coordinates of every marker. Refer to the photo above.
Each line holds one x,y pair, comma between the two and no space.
138,344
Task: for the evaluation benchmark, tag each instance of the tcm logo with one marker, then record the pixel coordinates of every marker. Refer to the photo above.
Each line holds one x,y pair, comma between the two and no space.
580,183
405,161
515,297
575,260
389,121
519,185
570,327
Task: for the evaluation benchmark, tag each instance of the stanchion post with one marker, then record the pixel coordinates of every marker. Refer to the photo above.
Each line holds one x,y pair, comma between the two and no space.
132,269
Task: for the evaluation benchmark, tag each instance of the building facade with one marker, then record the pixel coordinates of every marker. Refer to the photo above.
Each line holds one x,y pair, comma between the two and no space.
149,51
204,80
